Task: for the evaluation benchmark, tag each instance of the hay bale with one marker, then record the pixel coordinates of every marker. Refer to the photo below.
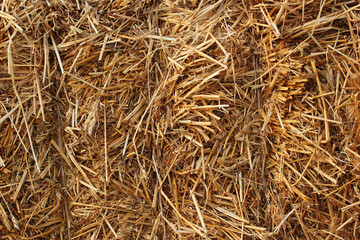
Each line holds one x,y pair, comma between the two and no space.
179,119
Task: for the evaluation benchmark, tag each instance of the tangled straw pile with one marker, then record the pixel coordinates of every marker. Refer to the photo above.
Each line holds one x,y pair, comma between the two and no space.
179,119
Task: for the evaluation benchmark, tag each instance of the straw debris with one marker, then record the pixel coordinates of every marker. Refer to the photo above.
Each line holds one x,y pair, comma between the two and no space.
179,119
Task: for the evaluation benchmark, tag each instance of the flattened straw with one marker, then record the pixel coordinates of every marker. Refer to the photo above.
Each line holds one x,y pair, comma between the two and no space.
7,115
184,219
57,53
11,70
207,56
82,80
103,47
277,228
105,146
40,98
6,16
2,164
199,213
155,226
75,61
126,143
20,184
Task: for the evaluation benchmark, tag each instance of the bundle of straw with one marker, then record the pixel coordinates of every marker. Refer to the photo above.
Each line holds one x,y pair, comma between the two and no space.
214,119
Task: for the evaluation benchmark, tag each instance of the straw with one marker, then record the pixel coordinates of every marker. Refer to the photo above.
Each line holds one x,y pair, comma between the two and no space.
179,119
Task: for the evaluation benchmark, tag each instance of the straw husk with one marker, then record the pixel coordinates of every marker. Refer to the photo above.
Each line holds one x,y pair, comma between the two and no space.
179,119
